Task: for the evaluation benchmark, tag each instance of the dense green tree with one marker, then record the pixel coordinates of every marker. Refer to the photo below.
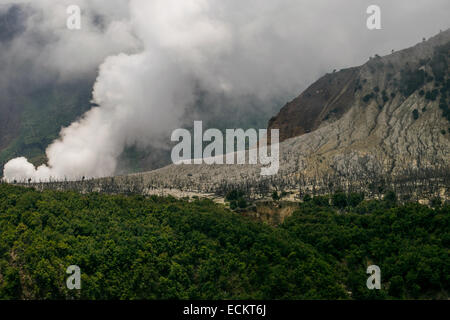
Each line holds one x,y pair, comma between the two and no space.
339,200
136,247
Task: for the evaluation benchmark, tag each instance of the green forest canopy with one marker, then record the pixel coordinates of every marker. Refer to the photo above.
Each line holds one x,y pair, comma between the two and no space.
136,247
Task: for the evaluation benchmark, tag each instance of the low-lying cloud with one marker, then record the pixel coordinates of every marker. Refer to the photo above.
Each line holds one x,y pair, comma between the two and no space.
154,57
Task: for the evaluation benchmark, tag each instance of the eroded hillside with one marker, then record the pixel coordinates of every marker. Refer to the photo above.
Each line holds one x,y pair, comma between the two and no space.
383,125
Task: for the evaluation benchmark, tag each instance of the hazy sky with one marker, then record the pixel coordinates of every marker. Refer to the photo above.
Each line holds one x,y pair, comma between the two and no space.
155,56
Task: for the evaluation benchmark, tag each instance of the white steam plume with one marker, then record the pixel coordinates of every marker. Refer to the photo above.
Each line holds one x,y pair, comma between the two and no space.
263,48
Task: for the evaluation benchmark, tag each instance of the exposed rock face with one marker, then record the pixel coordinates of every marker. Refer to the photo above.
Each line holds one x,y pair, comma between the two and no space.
328,98
377,126
383,112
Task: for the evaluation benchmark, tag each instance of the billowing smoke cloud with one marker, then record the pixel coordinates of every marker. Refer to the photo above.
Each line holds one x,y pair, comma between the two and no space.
162,53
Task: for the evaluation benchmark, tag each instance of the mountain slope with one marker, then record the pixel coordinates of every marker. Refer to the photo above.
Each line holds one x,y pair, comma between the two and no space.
383,125
327,98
